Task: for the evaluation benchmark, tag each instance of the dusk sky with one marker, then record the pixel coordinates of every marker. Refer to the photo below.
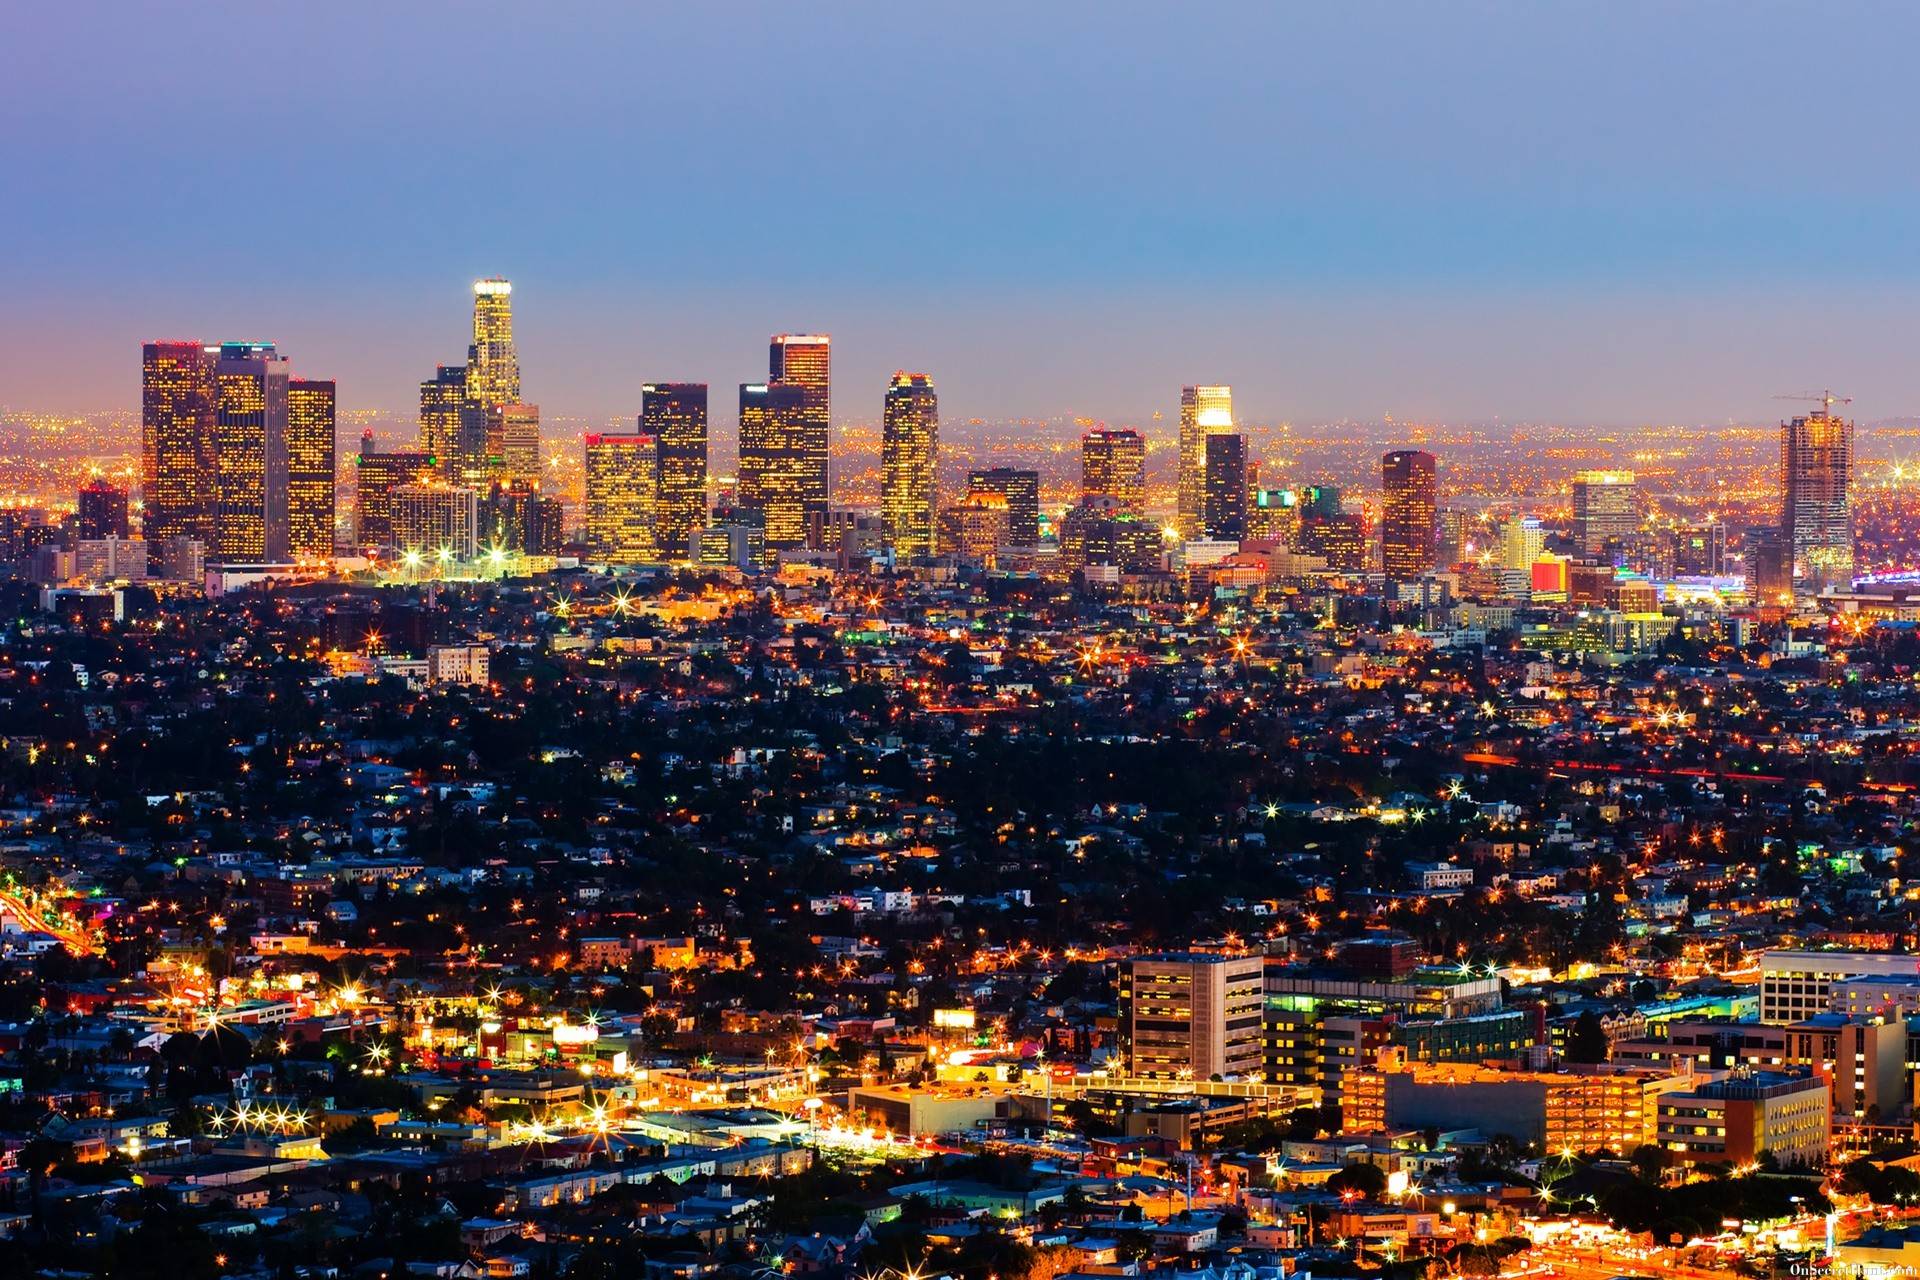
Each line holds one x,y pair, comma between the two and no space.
1580,212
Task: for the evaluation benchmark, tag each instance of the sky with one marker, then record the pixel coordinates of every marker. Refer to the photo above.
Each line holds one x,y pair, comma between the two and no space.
1565,211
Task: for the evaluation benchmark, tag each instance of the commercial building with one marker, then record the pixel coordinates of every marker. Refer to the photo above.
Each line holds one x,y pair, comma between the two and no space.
1224,513
310,469
1188,1015
493,363
250,455
1797,985
435,522
976,527
176,439
101,510
1816,518
513,441
1736,1118
377,473
675,415
1606,510
1021,491
777,463
1408,497
442,398
805,361
622,488
1113,464
1204,411
909,454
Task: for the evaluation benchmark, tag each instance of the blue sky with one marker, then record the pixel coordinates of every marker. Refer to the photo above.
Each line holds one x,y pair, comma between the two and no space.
1610,212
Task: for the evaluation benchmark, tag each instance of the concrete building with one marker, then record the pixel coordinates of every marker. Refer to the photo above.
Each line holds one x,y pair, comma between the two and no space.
1796,985
1188,1015
1737,1117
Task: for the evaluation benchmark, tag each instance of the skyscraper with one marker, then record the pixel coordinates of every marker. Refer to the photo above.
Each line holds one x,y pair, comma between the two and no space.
1605,509
909,453
310,472
1224,511
675,415
442,397
176,439
1021,489
1816,519
493,365
1204,411
776,464
1113,464
101,511
1407,499
805,360
435,522
623,481
250,455
513,441
1521,542
376,475
516,517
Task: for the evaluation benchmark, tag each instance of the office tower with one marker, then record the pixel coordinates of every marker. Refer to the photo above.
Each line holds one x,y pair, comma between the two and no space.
1100,531
1605,510
513,441
1204,411
623,480
776,466
180,559
111,559
1021,489
1456,537
1223,515
909,451
250,455
176,439
804,360
435,523
101,511
1816,465
675,415
515,517
310,471
1700,549
493,366
1521,542
977,526
1769,567
733,537
1273,515
1327,529
1189,1016
377,474
1113,464
1408,496
442,397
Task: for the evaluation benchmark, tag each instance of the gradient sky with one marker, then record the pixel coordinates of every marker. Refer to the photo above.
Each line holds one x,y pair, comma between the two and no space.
1580,212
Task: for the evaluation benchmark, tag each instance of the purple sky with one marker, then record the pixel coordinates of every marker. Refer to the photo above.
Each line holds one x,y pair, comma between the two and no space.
1611,212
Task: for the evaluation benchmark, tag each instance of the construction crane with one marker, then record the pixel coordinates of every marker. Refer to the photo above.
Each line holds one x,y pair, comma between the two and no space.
1825,399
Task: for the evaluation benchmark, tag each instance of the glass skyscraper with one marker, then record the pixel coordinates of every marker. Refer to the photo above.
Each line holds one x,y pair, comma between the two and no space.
675,415
909,453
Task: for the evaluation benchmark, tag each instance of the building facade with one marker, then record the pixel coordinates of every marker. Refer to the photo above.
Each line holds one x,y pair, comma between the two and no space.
909,454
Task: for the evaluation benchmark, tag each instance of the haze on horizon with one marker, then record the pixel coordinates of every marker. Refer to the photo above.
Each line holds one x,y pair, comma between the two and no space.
1616,213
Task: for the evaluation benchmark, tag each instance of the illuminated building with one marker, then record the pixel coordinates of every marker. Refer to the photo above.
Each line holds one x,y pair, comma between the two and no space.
1203,412
1021,490
1769,567
909,448
1408,497
1701,549
434,522
1274,516
1796,985
1457,530
734,537
1734,1119
493,366
623,477
1521,542
805,360
250,455
176,439
180,559
513,441
1326,529
1193,1016
1100,531
1816,465
1113,464
442,397
675,415
515,516
1224,513
102,510
111,559
775,462
1605,510
376,475
976,527
310,469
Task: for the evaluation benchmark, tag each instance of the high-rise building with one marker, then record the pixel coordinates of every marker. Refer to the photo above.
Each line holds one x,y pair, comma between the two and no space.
176,439
1769,563
493,365
435,522
1408,495
675,415
775,458
1223,515
442,397
1204,411
516,517
310,468
909,452
1192,1016
976,527
1113,464
1700,549
513,441
377,474
1100,531
1521,542
1605,510
101,511
1021,489
623,481
1816,466
805,360
250,455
